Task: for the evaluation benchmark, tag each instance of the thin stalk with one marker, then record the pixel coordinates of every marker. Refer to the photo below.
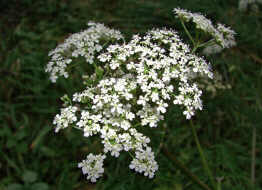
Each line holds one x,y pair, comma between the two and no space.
203,158
194,49
187,32
210,42
207,43
254,138
162,140
219,183
77,128
11,163
181,166
253,162
72,65
131,155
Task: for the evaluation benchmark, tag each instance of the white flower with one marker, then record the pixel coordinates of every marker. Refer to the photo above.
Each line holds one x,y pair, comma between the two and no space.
116,108
188,113
130,116
142,100
154,96
114,64
125,125
104,57
111,145
179,99
162,107
126,140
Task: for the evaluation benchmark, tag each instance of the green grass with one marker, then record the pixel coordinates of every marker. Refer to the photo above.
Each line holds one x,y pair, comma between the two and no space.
32,155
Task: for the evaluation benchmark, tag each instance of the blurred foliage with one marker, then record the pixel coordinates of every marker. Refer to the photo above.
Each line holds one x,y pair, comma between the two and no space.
33,157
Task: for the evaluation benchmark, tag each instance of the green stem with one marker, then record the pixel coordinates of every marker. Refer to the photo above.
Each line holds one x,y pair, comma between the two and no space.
71,66
11,163
219,186
210,42
219,183
131,155
187,32
162,140
253,157
203,158
77,128
104,45
194,49
181,166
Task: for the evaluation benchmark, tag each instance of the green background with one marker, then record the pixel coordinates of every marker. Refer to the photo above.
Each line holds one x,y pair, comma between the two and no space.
33,157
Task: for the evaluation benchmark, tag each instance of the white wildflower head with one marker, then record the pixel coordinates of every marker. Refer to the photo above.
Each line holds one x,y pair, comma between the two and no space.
66,118
92,166
222,35
143,78
200,20
228,36
145,163
83,44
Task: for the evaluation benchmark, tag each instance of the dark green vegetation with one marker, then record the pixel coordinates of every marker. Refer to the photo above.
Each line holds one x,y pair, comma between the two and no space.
33,157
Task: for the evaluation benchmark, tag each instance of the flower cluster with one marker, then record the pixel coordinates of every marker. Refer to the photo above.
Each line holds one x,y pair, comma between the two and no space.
227,36
144,162
141,79
85,44
92,166
200,20
223,36
146,75
66,118
214,86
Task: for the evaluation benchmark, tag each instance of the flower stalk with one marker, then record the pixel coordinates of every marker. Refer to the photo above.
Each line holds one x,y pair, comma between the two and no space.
203,158
182,167
131,84
188,33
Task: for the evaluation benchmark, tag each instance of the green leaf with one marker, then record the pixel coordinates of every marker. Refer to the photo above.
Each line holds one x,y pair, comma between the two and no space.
37,141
